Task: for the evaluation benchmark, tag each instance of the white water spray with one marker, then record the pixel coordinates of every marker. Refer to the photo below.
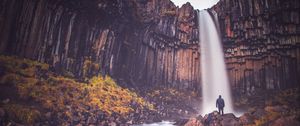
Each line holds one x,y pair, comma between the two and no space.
214,77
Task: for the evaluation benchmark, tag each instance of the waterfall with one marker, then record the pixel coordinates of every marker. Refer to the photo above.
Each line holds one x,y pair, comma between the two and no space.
214,77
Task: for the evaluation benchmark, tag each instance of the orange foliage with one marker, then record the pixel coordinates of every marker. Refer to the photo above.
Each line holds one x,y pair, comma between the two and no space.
57,93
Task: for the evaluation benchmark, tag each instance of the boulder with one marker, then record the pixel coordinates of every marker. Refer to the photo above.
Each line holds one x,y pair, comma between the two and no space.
194,122
91,120
48,115
228,120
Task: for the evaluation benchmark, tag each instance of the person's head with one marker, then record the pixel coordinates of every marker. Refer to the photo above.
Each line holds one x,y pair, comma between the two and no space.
220,96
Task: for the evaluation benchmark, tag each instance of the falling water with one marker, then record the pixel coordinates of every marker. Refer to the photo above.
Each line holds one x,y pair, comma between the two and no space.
214,76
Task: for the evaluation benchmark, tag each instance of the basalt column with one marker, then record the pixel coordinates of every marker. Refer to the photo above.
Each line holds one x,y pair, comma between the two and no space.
262,43
144,43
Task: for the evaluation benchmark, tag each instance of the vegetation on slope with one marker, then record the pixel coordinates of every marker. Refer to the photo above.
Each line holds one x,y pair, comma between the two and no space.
34,94
282,109
276,108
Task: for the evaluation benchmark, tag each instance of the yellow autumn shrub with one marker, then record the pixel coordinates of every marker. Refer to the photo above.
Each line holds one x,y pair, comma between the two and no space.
58,92
109,97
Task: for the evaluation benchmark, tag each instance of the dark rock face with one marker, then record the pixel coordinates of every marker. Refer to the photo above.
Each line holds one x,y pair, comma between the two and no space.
153,42
146,42
261,43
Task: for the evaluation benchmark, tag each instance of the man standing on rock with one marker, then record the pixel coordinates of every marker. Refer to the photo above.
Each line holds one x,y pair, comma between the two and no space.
220,104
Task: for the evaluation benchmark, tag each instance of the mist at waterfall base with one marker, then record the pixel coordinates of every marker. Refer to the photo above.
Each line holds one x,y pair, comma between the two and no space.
214,77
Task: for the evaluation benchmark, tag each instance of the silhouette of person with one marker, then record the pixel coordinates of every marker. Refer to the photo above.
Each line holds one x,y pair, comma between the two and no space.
220,104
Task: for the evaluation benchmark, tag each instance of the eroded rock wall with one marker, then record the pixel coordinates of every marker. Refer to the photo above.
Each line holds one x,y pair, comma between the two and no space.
261,43
144,42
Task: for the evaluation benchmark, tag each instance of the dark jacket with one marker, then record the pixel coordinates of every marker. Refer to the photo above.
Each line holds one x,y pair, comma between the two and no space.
220,103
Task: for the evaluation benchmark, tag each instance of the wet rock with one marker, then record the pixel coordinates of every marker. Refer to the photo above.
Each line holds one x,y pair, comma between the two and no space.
246,119
199,117
229,120
157,118
214,119
181,122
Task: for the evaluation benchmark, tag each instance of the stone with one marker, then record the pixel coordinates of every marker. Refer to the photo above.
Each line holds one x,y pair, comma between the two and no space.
48,115
79,124
130,122
112,124
91,120
181,122
193,122
199,117
246,119
229,120
77,118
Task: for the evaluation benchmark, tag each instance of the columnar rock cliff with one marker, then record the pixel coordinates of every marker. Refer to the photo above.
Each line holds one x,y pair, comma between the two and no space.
153,42
261,43
144,42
